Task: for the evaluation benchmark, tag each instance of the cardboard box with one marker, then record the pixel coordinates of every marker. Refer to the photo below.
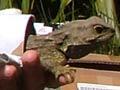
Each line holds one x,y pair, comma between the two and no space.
103,74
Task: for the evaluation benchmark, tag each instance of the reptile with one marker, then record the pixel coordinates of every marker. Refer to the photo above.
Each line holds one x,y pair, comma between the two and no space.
73,41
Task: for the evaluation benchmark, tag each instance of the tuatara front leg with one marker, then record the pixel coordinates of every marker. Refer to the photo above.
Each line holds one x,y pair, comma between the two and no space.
51,58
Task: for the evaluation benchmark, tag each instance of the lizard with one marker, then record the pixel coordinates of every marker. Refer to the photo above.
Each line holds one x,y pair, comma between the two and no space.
73,41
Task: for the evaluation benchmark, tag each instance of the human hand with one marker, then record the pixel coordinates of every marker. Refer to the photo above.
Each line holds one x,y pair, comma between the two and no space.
32,72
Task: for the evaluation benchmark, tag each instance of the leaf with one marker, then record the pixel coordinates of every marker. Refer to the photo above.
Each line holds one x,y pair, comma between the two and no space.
60,15
25,6
5,4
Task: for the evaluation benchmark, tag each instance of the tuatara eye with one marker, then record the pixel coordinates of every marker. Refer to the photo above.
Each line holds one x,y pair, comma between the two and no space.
99,28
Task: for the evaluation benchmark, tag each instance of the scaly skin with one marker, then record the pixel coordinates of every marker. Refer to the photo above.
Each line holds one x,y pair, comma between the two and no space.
75,40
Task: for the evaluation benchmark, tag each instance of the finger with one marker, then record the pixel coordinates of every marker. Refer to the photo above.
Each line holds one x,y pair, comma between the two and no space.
8,78
33,73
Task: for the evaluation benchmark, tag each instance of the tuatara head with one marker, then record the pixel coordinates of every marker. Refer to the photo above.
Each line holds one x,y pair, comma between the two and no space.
83,35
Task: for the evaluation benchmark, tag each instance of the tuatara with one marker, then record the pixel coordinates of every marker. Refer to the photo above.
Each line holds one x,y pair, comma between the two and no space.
74,40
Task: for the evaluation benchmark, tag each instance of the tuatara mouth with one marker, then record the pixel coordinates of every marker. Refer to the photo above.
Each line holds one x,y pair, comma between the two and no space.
104,37
100,38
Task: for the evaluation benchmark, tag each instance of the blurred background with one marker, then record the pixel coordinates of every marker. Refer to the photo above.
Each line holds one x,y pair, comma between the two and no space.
54,12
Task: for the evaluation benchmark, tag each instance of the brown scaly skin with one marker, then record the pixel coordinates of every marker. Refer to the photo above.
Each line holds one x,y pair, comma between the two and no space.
75,39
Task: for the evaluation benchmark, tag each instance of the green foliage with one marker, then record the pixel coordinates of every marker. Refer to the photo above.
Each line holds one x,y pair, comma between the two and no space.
25,5
5,4
60,15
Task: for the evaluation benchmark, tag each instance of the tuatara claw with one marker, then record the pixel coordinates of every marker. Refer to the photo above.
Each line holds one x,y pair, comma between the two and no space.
67,77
